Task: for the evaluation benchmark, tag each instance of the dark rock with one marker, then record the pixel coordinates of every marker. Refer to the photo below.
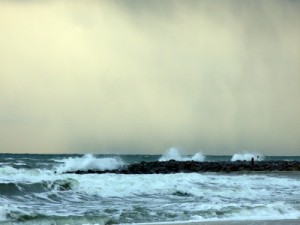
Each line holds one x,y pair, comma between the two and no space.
173,166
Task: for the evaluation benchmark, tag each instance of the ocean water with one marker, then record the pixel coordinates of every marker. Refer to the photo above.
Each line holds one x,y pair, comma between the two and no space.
35,190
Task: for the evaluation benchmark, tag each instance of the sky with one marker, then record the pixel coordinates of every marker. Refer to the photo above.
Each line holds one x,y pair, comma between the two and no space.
138,77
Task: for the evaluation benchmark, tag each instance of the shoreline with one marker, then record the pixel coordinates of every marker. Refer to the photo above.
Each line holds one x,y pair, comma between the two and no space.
229,222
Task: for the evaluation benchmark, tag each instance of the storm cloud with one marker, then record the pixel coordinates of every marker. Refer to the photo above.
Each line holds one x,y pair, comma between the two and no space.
142,76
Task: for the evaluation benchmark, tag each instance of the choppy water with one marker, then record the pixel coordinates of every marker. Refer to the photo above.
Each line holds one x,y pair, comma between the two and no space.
34,190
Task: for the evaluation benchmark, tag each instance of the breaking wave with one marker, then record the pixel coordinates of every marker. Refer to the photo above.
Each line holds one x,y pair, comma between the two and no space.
39,187
174,154
90,162
222,197
13,213
247,156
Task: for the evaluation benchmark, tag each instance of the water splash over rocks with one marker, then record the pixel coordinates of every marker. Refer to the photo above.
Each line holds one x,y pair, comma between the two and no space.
173,166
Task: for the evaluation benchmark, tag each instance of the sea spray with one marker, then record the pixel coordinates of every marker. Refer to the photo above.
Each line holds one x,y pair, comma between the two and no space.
198,157
174,154
247,156
90,162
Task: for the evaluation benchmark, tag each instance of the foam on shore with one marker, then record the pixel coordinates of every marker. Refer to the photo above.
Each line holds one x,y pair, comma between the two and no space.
230,222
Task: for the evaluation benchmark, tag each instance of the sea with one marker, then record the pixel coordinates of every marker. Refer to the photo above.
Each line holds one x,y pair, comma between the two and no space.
34,189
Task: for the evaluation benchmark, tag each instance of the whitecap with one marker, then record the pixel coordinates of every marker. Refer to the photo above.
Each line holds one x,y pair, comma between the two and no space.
8,210
90,162
174,154
247,156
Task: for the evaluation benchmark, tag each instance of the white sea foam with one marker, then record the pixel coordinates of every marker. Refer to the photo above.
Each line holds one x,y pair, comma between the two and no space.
8,170
210,187
272,211
203,196
13,175
90,162
7,209
248,197
2,213
247,156
174,154
245,196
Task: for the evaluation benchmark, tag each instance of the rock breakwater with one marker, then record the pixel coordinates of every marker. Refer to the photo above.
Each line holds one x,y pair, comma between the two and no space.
173,166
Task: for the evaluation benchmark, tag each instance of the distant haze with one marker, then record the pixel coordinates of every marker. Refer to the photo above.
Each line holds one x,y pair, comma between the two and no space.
139,76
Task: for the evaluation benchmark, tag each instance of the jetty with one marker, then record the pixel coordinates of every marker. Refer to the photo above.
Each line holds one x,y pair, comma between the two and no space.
172,166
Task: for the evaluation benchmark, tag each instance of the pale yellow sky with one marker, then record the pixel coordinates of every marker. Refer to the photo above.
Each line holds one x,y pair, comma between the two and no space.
141,76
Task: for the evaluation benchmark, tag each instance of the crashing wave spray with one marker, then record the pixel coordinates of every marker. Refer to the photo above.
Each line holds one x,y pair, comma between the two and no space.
247,156
90,162
173,154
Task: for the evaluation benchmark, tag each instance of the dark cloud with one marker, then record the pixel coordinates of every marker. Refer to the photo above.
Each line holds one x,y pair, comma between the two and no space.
141,76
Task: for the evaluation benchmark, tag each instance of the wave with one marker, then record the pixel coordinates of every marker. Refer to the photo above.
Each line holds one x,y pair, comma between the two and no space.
247,156
260,212
221,197
276,211
90,162
11,214
10,188
272,211
173,154
116,185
